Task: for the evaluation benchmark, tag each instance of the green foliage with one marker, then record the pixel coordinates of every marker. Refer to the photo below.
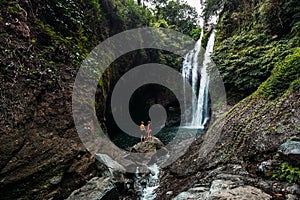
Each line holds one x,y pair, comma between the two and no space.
160,23
171,60
274,17
252,38
195,33
47,31
133,15
178,14
205,38
14,8
211,7
295,85
62,34
271,16
284,73
246,60
279,17
291,10
287,173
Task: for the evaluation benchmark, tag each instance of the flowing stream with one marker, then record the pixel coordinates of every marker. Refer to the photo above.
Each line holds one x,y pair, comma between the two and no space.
195,70
151,180
200,116
152,183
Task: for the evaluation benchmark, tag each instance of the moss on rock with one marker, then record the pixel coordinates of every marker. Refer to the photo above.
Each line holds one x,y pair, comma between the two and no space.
285,74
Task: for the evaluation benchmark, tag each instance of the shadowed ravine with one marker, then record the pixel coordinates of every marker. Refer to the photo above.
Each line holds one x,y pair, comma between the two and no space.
249,149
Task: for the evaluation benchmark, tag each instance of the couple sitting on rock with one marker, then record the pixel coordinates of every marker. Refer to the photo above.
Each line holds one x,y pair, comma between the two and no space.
146,134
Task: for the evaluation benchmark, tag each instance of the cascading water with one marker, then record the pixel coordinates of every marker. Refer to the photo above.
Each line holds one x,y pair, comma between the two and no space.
191,73
199,113
190,70
195,71
152,183
202,112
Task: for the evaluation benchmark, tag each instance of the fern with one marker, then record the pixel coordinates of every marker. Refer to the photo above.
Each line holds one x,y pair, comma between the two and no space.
287,173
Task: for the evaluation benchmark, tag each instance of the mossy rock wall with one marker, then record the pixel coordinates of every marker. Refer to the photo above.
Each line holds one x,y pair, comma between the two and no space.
42,45
252,38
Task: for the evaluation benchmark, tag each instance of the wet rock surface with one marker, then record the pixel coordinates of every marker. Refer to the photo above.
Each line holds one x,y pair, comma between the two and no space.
38,158
96,189
241,147
42,156
290,151
267,167
117,182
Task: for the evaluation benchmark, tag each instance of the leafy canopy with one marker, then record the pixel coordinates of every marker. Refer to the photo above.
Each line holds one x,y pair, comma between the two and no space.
178,14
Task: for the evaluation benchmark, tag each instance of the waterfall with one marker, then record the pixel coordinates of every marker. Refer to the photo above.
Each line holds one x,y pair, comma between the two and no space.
201,115
195,71
191,73
199,112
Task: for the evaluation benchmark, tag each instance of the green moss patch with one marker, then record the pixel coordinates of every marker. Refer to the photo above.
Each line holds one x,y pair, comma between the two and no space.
285,73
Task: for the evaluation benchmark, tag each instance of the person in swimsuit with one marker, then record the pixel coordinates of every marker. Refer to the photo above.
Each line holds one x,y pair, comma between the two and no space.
149,131
143,129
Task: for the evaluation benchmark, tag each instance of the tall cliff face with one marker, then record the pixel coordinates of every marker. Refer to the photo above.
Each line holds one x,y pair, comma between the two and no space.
42,45
257,51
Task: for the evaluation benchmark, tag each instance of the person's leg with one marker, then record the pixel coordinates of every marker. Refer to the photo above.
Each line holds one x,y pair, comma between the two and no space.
149,135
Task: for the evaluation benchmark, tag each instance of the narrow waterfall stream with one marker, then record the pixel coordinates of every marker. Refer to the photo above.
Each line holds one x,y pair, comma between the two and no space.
152,183
147,184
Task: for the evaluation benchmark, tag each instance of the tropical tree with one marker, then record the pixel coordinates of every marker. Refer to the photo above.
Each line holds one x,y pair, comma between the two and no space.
177,13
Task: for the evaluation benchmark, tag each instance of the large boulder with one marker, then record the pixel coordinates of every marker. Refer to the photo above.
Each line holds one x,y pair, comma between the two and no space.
148,146
116,170
290,151
113,166
223,189
96,189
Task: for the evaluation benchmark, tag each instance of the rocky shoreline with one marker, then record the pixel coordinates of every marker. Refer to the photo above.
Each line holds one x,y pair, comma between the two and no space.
115,182
226,181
